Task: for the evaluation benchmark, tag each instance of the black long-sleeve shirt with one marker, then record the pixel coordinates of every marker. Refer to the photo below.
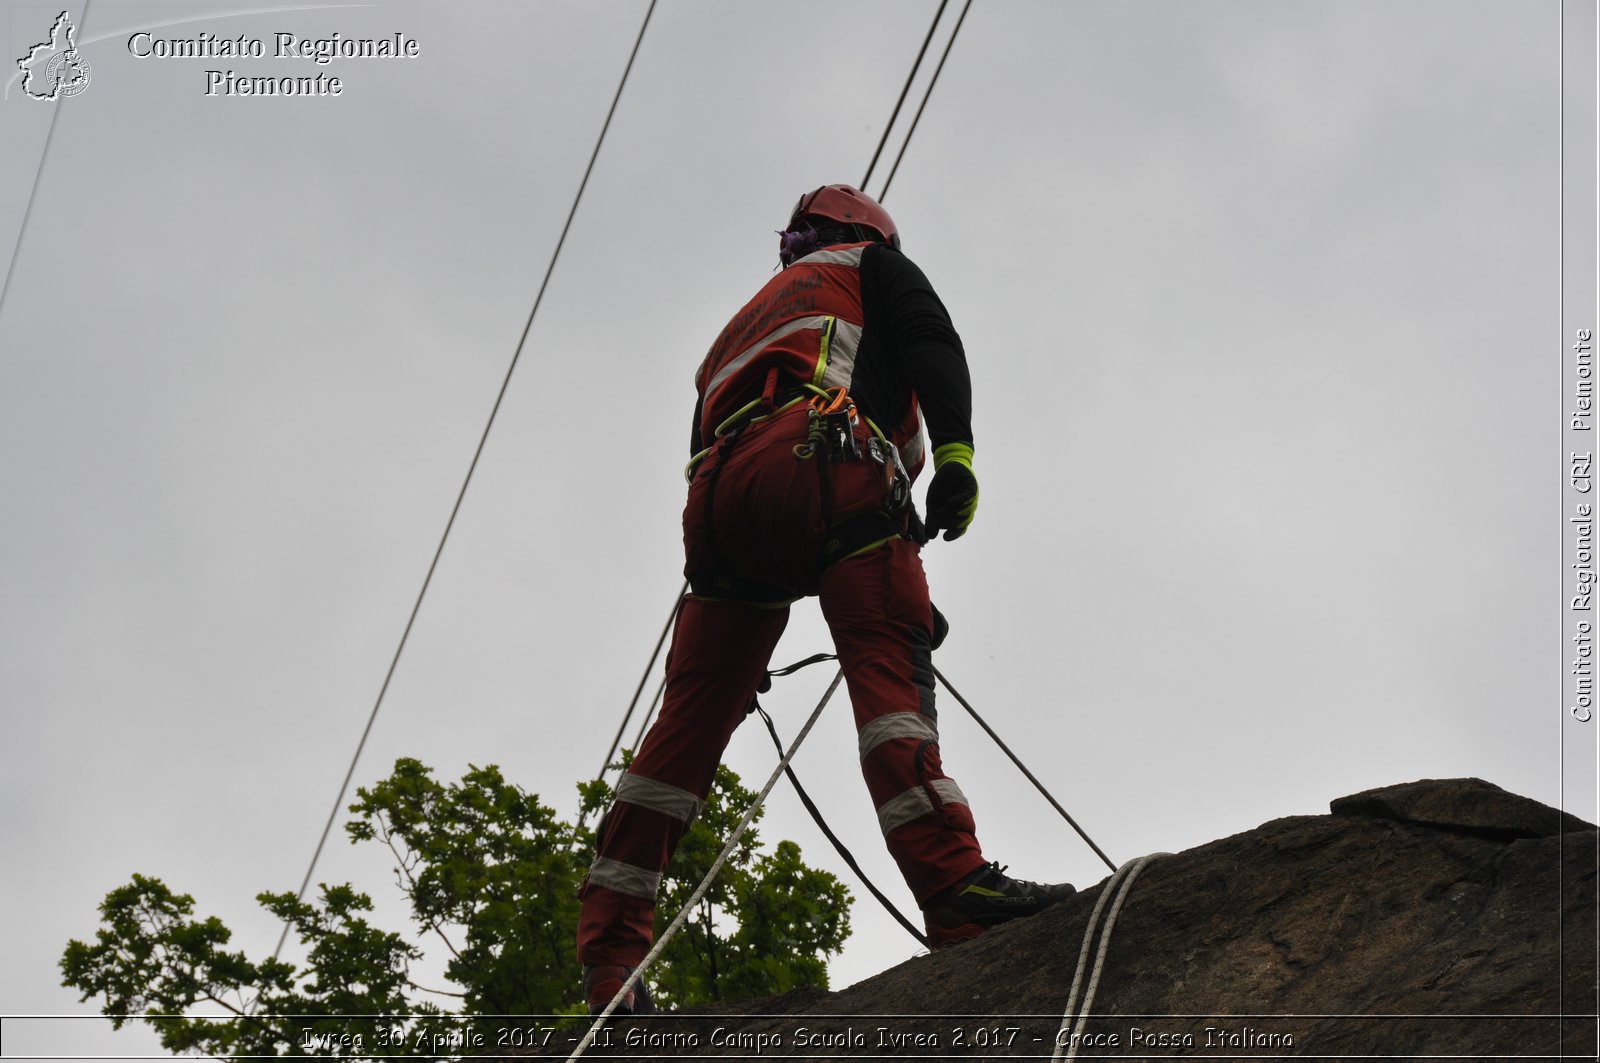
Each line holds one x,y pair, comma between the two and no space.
908,345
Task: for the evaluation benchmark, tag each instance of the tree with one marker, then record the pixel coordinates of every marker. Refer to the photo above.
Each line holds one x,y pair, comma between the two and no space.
152,956
490,874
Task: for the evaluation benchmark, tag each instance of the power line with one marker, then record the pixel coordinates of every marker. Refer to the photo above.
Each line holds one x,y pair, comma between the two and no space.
27,212
918,117
873,165
462,494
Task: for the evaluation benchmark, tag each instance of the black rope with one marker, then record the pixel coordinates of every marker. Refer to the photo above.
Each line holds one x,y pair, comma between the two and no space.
815,658
766,684
1037,784
816,814
344,787
937,15
936,71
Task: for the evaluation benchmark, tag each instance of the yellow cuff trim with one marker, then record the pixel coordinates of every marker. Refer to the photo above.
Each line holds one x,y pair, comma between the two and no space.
960,453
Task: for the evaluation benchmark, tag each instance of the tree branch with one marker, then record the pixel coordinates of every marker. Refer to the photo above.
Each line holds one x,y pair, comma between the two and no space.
435,992
404,867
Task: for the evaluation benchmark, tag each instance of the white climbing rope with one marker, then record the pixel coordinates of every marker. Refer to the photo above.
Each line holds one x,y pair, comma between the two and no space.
1120,882
705,883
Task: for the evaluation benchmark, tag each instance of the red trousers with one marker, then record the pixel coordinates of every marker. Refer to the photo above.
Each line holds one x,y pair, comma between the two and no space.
755,514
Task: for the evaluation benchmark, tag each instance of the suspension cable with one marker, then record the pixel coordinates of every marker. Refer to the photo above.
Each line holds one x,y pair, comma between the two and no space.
705,883
516,356
1024,768
918,117
873,165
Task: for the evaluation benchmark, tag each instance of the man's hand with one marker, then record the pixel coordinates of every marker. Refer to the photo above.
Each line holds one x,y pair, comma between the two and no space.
953,494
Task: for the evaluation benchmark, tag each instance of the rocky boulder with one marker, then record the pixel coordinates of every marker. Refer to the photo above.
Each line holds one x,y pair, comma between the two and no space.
1435,919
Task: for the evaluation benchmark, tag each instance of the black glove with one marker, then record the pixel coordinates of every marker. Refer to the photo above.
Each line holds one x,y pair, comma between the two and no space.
953,495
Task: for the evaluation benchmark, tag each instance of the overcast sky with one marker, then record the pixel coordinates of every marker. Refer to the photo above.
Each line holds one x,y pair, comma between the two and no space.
1260,302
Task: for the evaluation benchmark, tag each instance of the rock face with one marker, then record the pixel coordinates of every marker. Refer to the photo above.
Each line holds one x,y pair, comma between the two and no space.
1435,919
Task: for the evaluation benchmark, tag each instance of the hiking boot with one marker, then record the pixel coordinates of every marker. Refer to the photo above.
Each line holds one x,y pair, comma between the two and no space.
983,899
601,982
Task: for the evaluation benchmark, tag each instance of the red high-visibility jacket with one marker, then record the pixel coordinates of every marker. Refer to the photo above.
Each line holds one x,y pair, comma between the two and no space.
858,315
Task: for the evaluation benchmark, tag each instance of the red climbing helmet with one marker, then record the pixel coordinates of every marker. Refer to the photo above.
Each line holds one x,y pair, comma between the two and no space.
847,205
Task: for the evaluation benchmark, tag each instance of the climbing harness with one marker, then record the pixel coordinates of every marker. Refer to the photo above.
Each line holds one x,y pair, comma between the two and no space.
831,429
832,423
833,436
1120,882
705,883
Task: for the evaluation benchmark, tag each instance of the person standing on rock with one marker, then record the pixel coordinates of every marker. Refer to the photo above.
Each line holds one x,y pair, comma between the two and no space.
805,440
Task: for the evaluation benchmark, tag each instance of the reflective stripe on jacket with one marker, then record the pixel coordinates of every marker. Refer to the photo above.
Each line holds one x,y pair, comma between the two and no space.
805,322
